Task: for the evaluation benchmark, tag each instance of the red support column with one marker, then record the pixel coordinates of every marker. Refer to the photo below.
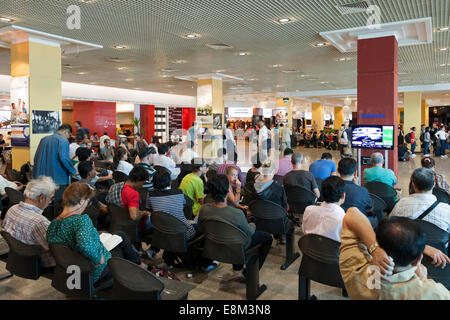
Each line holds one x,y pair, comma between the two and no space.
378,88
148,121
188,117
97,116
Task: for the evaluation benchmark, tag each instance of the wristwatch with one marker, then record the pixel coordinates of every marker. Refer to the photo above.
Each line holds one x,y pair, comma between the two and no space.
373,247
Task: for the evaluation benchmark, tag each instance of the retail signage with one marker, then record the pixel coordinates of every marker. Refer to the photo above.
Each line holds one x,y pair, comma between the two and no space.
240,112
373,116
281,115
20,135
20,100
204,115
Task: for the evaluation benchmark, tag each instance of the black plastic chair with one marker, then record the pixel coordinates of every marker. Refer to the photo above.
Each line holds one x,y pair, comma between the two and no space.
272,218
225,243
384,191
379,206
119,177
169,233
441,195
4,249
320,263
131,282
278,179
439,239
66,257
23,259
121,221
14,196
299,198
14,175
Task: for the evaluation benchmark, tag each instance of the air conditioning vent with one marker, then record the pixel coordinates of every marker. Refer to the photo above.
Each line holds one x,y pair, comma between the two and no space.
352,8
219,46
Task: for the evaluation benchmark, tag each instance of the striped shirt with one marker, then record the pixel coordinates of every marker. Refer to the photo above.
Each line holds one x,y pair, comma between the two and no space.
25,222
148,185
172,202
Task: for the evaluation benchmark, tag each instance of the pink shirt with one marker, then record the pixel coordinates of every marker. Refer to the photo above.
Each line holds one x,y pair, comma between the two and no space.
285,166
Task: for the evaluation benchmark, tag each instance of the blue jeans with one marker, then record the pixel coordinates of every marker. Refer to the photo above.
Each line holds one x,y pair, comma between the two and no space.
427,147
413,147
443,147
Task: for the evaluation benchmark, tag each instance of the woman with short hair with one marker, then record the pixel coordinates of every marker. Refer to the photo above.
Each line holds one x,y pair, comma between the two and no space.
75,230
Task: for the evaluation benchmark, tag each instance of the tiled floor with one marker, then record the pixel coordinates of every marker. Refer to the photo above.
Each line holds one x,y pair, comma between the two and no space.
281,285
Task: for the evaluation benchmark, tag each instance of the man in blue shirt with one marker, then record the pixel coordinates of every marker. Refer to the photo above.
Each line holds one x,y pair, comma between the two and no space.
52,159
81,133
324,168
355,196
378,173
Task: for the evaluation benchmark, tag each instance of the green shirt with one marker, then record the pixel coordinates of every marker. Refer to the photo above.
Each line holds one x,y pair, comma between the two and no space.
379,174
193,187
77,232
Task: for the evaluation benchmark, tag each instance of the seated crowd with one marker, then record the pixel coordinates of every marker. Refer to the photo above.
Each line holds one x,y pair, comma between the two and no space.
174,180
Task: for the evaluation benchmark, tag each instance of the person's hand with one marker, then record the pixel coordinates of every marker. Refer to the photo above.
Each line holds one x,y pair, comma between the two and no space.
422,272
438,257
384,262
238,184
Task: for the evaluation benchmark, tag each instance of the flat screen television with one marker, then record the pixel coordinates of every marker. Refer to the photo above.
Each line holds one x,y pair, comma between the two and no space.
373,137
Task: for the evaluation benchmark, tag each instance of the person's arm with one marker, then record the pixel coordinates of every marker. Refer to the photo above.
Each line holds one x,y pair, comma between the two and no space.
316,192
438,257
88,241
235,197
357,222
136,214
333,169
63,154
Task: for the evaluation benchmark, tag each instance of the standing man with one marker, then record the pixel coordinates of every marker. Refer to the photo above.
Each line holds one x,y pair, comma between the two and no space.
230,143
343,140
82,133
285,137
192,133
263,137
426,142
52,159
441,135
412,139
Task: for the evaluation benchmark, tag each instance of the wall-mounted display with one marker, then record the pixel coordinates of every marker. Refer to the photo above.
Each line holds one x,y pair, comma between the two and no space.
217,121
20,135
19,100
44,122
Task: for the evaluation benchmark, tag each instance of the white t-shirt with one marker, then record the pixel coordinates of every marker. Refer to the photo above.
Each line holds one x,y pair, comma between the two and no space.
188,155
441,135
325,221
166,162
73,149
125,167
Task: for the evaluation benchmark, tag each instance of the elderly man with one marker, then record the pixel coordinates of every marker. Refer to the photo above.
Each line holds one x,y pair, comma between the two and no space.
300,178
378,173
415,205
25,221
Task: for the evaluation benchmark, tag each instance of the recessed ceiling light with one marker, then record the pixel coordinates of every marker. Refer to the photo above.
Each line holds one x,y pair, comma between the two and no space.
444,29
179,61
443,49
122,68
129,79
191,36
169,70
244,53
220,71
119,47
279,86
170,86
165,76
320,44
284,20
276,65
443,65
137,88
94,82
253,79
324,82
6,19
81,73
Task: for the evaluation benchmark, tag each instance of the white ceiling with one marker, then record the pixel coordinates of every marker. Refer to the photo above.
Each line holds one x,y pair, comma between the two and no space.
152,31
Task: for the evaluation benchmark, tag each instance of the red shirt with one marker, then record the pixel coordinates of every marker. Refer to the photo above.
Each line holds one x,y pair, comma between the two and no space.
413,137
130,197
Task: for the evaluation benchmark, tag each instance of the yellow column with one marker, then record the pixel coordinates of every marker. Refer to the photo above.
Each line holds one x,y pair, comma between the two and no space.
42,64
425,113
338,117
413,112
317,115
210,93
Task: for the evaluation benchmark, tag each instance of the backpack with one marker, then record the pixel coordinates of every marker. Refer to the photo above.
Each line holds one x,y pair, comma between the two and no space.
422,137
408,138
